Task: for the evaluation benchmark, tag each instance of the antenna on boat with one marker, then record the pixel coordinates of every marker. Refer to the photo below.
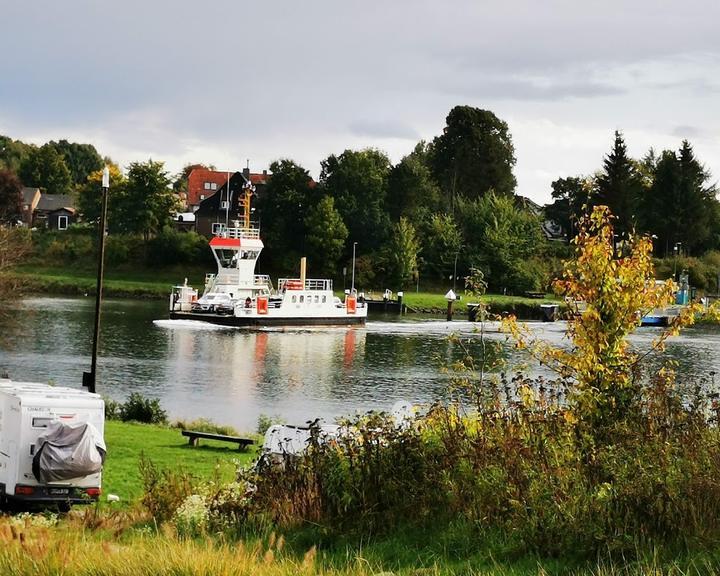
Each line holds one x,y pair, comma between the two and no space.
249,191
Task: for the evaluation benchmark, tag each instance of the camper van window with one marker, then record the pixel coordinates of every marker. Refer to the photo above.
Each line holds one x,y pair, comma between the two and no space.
41,422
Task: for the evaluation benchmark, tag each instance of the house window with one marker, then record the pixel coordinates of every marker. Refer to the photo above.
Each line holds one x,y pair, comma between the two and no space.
213,186
62,222
207,185
202,196
217,228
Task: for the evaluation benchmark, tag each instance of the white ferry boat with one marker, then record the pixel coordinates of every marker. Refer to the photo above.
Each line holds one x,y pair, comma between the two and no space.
236,296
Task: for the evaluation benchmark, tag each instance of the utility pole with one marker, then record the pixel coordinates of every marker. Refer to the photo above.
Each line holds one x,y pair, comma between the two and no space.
90,377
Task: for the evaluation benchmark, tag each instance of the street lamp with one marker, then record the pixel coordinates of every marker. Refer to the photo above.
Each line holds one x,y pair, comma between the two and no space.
89,377
676,250
455,266
352,281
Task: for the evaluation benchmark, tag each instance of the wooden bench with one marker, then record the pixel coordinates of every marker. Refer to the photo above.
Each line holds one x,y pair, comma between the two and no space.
193,438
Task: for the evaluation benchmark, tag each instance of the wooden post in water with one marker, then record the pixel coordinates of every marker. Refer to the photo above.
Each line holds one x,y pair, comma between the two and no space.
450,297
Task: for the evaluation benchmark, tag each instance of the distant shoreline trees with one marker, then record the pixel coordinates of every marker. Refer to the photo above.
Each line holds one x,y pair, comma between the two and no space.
452,200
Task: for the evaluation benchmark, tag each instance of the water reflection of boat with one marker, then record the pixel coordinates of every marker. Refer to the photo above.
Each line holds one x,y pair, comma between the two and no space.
236,296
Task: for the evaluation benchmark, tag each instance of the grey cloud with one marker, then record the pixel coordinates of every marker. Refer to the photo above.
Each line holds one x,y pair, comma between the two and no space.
687,132
380,129
518,89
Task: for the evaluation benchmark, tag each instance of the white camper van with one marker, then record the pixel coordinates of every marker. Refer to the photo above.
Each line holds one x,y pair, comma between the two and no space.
51,444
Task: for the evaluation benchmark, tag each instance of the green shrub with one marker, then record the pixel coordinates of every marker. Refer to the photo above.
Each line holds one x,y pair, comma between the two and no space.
140,409
205,425
112,409
171,247
264,422
164,491
123,248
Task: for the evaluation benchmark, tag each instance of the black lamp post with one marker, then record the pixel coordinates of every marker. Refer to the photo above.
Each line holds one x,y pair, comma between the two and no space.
89,377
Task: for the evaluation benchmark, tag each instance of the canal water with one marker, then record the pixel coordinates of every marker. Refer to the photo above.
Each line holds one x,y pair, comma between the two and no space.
232,376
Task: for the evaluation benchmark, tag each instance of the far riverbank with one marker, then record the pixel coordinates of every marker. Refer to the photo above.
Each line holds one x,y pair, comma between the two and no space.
156,285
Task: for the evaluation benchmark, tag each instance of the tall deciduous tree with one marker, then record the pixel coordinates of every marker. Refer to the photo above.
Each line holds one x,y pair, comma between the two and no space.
503,240
45,168
619,186
358,180
283,207
571,196
13,153
441,242
412,190
90,197
325,237
474,154
148,202
81,159
403,252
10,197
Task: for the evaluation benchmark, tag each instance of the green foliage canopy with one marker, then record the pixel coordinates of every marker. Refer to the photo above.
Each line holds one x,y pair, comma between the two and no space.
10,197
326,236
358,181
147,202
45,168
474,154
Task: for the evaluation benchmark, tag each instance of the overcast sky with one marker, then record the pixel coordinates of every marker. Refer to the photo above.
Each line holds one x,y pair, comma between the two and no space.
224,81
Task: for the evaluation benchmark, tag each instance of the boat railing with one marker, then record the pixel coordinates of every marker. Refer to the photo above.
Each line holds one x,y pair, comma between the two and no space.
238,233
310,284
262,280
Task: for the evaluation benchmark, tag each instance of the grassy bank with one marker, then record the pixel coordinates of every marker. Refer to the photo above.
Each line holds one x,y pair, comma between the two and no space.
127,541
119,282
436,303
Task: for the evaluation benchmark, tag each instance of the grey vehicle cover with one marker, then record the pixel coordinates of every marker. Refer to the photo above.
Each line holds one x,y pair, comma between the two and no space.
68,451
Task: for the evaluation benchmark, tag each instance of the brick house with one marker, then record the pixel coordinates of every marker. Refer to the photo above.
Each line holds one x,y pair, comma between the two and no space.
214,210
30,199
203,183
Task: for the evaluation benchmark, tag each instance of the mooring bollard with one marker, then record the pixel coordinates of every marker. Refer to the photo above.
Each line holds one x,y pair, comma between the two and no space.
450,297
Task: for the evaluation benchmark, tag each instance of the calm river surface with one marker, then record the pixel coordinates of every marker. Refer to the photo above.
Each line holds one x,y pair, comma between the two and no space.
232,375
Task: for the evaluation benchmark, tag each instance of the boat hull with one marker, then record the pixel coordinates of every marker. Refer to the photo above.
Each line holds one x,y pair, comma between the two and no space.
257,321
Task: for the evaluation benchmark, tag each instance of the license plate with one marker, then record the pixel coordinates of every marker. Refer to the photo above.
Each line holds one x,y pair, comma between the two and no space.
59,491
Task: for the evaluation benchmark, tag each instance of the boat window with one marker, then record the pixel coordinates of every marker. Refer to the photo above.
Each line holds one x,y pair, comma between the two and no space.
302,298
317,299
41,422
294,298
227,258
324,299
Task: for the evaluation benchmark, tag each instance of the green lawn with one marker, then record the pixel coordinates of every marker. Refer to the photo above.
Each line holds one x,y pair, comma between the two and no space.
142,283
496,302
166,448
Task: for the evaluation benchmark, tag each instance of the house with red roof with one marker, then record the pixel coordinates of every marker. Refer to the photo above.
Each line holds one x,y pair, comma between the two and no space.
224,207
203,183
